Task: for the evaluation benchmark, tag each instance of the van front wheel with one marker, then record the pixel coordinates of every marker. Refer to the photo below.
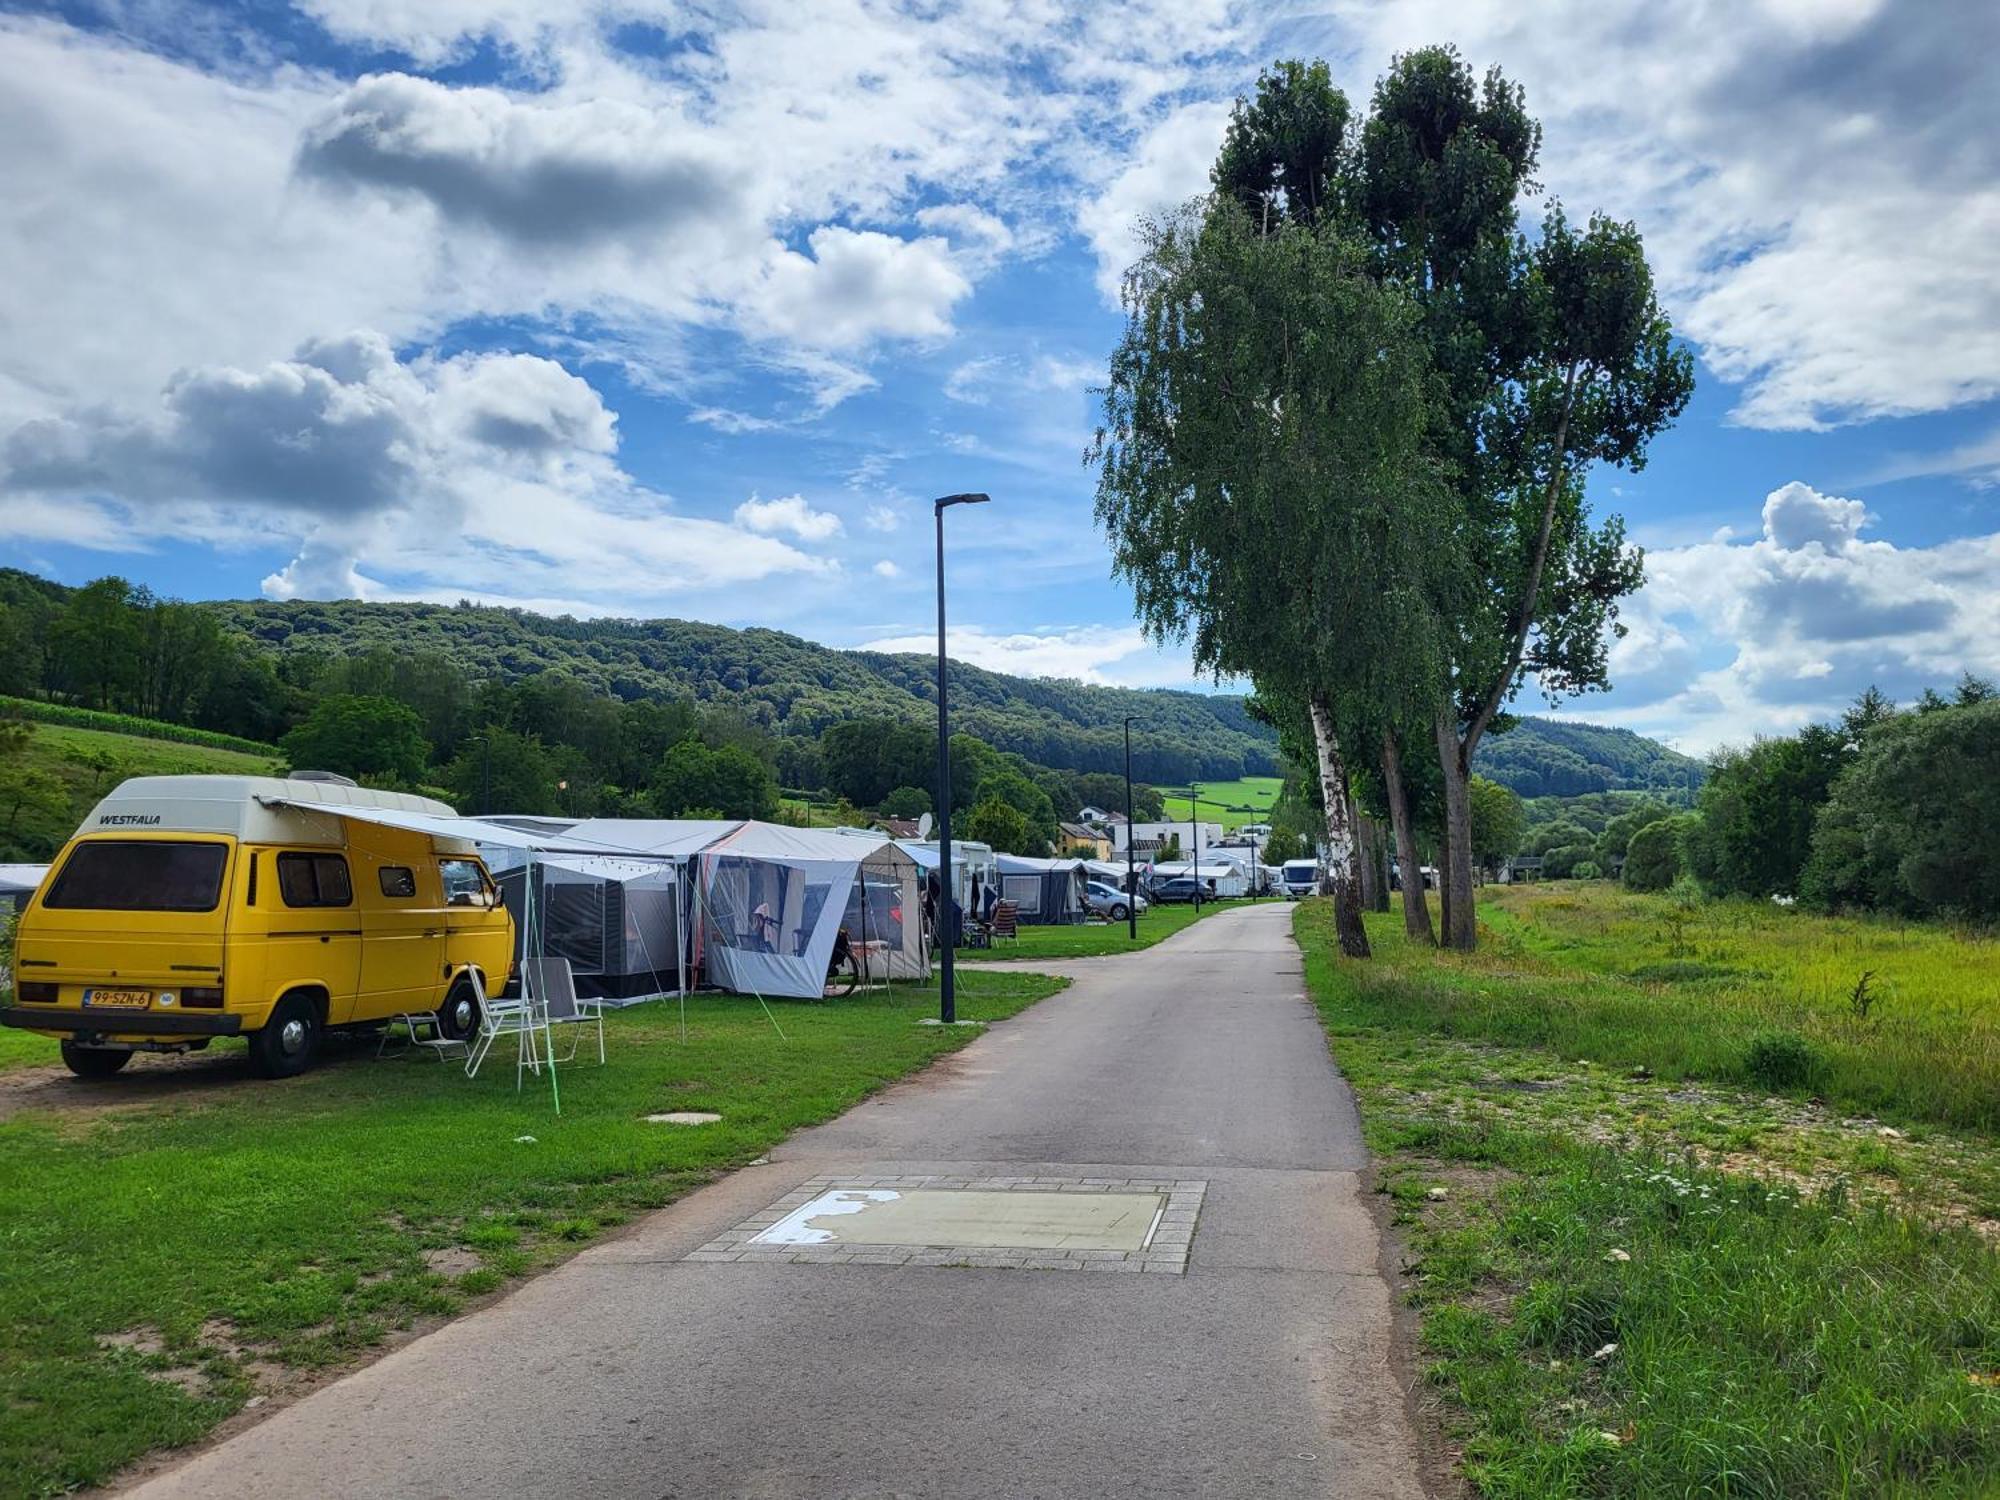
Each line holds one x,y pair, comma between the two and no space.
287,1042
94,1062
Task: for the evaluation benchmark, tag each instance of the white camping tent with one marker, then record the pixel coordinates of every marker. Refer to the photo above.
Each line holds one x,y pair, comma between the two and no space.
773,900
1043,891
968,860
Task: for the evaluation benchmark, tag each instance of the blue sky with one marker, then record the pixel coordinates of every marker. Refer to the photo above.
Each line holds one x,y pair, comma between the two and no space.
639,309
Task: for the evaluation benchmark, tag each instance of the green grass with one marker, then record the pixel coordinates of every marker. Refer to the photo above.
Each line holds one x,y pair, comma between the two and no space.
1797,1304
293,1218
1632,979
78,766
1093,939
129,724
1230,803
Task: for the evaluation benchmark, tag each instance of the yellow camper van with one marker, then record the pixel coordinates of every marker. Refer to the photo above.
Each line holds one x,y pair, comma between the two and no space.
194,907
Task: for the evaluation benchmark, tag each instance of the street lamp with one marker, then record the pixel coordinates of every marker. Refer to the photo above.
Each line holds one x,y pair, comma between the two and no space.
1194,829
1131,878
948,1000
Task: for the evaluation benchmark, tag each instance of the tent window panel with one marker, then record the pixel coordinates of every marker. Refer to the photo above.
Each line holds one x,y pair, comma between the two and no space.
572,922
1025,891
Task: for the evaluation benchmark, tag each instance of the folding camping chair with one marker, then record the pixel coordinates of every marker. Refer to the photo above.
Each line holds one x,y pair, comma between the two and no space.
500,1017
551,985
1007,920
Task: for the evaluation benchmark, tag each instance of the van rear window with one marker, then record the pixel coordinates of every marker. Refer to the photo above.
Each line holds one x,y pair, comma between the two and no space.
148,876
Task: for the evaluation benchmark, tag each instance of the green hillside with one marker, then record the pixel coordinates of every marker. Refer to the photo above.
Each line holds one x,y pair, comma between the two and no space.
786,684
1557,758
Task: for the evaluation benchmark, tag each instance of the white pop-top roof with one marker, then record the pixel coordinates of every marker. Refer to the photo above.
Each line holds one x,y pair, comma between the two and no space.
258,809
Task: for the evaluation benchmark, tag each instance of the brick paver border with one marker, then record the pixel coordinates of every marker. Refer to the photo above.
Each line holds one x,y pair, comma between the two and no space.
1166,1253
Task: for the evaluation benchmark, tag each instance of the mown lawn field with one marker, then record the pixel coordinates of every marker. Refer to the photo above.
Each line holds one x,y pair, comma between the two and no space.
166,1259
1230,803
1094,939
1682,1218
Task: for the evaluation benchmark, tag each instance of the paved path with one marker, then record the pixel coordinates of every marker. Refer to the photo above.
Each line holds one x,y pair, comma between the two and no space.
1264,1370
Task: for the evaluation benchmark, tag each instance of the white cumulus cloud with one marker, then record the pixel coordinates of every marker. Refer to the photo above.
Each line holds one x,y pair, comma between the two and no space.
789,514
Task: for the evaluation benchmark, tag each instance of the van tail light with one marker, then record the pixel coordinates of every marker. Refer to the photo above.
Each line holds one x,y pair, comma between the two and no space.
203,997
38,991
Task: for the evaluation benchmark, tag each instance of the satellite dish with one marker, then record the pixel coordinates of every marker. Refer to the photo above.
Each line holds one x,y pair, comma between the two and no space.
924,826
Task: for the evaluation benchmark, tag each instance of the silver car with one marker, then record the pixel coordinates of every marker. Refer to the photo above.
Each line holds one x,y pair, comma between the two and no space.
1109,902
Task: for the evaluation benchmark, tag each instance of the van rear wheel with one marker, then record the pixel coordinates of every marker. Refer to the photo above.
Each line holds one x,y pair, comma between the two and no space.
286,1044
94,1062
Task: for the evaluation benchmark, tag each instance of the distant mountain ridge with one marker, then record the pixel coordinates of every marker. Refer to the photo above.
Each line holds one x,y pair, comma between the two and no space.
790,685
787,684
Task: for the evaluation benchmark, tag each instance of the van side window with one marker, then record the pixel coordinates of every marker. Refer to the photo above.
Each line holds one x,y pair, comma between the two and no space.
397,880
464,883
314,880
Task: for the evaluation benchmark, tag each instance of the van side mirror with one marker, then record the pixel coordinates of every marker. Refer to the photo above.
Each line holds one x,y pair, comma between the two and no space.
499,899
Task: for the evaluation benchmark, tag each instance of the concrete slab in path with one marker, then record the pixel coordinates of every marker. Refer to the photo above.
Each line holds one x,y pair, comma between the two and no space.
1264,1370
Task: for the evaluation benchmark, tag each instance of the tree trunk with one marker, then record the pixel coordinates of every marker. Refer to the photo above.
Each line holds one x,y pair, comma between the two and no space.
1416,905
1343,861
1379,843
1368,840
1455,873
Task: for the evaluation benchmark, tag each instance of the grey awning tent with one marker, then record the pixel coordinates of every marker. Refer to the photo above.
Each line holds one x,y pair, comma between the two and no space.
1045,892
615,912
622,919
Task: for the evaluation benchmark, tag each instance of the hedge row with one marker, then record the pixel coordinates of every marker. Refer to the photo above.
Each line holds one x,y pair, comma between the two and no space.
152,729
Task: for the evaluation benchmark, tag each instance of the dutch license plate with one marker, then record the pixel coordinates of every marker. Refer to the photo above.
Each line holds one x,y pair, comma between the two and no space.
118,999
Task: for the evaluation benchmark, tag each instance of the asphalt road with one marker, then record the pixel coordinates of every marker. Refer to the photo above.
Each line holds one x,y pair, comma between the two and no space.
1264,1371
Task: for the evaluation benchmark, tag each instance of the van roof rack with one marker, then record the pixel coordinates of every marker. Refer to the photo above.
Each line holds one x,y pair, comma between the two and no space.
329,776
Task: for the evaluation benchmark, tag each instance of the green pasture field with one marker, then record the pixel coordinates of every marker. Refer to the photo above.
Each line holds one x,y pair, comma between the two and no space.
1230,803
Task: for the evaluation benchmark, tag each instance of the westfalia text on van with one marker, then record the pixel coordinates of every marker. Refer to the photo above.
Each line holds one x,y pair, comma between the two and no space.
192,907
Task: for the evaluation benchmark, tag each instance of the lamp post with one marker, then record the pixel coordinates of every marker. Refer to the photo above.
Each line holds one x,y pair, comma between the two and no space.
1131,877
1194,829
948,999
485,743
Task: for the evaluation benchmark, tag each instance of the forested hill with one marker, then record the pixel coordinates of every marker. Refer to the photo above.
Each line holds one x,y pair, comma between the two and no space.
786,684
1558,758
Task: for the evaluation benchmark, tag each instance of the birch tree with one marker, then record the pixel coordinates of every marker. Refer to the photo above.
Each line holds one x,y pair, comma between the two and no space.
1263,478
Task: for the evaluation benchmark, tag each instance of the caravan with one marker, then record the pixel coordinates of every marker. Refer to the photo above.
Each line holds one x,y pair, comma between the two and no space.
192,907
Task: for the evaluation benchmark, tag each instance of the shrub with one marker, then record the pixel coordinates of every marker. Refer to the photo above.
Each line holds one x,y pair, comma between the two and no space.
906,802
1781,1060
1560,862
1653,856
1586,869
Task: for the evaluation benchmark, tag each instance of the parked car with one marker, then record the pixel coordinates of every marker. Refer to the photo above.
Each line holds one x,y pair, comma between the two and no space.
1108,901
1180,888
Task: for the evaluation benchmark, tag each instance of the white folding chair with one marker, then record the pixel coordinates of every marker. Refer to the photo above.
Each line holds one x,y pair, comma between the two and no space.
498,1017
551,986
